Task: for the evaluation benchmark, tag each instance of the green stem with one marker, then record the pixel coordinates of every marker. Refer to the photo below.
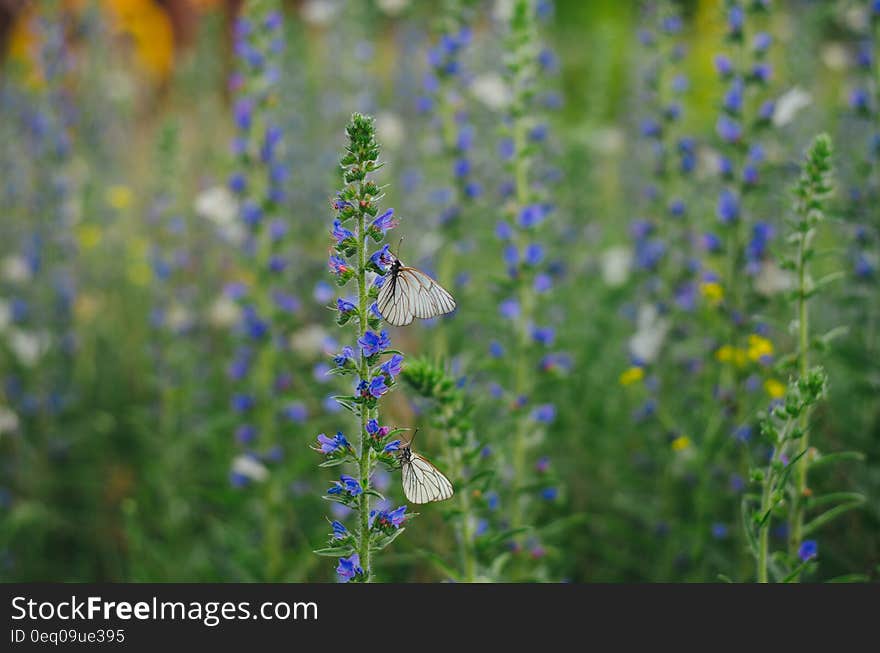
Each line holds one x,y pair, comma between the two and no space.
803,366
364,459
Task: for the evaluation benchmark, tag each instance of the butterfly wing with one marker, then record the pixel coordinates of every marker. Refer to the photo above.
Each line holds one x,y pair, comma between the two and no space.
422,482
393,301
410,293
431,299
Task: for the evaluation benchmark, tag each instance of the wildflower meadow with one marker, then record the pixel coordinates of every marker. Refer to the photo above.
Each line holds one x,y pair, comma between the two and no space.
457,291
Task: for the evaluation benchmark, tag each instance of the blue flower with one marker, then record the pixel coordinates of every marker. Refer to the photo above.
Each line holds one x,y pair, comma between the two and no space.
349,568
347,485
242,403
733,99
719,531
332,445
723,65
373,344
339,530
534,254
340,233
382,259
246,434
728,129
531,216
549,493
347,354
544,335
496,349
762,42
727,209
377,386
296,412
808,550
381,224
393,366
392,446
545,413
345,307
509,308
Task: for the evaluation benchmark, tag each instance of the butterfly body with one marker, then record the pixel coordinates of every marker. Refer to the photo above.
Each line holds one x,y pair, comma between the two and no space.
409,293
422,482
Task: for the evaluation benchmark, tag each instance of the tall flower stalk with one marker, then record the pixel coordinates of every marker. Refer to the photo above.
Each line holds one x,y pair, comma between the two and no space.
785,492
371,361
529,276
260,368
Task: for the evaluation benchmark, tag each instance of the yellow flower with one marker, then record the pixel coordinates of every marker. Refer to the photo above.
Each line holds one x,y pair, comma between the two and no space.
139,273
681,443
89,236
632,375
119,197
86,307
712,291
774,388
731,354
759,347
148,27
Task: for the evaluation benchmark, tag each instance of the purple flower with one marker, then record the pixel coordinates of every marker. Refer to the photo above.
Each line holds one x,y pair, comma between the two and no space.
762,42
543,282
727,209
332,445
544,413
808,550
373,344
347,354
377,386
531,216
393,519
382,259
380,225
544,335
375,430
345,307
246,434
346,485
393,366
723,65
509,308
728,129
296,412
340,233
349,568
338,266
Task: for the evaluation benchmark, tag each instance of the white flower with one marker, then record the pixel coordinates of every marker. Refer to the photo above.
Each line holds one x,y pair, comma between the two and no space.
319,12
491,90
224,312
390,129
309,340
788,105
27,346
616,264
607,140
250,467
772,279
8,420
392,7
650,333
835,56
179,317
219,206
16,269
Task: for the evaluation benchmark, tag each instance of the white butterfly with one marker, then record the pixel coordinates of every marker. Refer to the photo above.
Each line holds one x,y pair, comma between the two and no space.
409,293
422,482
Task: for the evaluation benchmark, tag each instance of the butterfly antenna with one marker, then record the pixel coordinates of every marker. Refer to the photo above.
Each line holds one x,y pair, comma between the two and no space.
415,433
399,243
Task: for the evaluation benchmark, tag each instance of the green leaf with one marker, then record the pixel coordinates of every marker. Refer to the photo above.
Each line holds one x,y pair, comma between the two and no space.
834,497
334,551
385,540
796,572
829,515
839,456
